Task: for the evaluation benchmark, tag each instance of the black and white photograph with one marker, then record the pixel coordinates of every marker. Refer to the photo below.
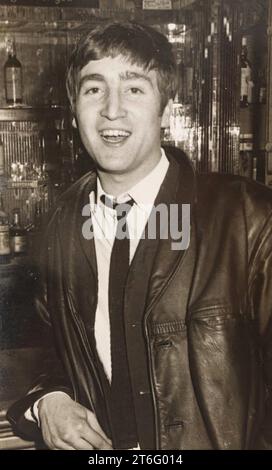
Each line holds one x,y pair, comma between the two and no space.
135,228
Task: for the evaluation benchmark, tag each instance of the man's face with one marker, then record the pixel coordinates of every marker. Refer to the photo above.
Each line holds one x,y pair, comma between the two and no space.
118,116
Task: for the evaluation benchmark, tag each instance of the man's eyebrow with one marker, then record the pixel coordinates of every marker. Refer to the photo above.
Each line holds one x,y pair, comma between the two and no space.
91,76
128,75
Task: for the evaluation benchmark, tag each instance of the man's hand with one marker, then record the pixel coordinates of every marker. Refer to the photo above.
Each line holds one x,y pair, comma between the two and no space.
66,425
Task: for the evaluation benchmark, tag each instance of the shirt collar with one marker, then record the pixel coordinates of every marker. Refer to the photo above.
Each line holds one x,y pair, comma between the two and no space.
143,193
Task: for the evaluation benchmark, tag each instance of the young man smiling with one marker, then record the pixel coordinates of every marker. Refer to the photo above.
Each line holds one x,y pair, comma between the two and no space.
174,350
117,103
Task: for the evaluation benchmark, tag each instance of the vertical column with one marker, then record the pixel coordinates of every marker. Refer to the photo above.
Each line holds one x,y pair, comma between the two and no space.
268,148
213,48
219,75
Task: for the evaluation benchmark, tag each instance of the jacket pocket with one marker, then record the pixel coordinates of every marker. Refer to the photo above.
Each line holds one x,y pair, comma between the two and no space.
216,317
223,365
164,334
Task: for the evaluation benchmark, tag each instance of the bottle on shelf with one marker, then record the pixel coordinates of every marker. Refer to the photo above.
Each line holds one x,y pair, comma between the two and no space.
246,77
18,235
34,230
28,215
2,161
189,76
5,249
3,181
13,77
246,156
262,86
38,217
254,169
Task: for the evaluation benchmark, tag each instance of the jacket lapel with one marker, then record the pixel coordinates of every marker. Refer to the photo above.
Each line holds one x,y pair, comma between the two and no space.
178,188
84,220
155,260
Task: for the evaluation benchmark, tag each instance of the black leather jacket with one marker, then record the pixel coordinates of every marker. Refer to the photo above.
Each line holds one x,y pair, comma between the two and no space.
206,313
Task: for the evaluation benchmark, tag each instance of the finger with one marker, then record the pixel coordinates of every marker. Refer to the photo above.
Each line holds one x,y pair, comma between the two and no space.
93,438
81,431
79,444
64,446
92,420
59,444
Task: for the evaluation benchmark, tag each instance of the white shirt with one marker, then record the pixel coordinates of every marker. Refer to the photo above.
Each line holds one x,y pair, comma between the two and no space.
104,222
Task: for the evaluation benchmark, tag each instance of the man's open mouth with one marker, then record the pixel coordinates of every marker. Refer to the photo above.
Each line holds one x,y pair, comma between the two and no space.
114,136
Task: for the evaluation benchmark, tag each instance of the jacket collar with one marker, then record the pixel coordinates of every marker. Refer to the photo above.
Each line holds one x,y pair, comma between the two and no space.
177,187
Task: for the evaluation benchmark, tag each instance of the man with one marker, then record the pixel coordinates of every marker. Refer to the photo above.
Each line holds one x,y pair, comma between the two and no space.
174,351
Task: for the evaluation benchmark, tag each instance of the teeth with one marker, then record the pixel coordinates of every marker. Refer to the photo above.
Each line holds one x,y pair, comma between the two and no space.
114,133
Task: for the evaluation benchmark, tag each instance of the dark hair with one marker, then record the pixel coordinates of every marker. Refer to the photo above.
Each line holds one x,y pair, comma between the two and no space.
140,44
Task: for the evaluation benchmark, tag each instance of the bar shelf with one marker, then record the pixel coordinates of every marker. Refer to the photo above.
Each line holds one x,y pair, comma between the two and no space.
29,113
25,184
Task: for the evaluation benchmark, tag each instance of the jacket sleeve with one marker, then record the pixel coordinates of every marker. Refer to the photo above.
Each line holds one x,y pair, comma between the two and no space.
260,289
53,376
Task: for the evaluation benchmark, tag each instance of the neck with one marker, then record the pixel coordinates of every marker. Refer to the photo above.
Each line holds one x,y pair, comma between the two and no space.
119,183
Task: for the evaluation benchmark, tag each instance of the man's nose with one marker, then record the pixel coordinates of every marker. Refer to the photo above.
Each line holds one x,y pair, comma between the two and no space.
113,106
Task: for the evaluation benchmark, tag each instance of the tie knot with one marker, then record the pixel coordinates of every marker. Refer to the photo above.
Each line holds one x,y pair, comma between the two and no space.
122,209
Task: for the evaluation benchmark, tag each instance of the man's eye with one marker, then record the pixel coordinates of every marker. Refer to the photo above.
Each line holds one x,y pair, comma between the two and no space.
135,91
92,91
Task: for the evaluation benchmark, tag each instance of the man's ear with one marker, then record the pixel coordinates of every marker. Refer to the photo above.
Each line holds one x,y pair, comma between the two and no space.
74,122
165,121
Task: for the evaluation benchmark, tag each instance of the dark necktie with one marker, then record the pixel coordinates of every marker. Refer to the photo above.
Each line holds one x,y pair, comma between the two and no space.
124,431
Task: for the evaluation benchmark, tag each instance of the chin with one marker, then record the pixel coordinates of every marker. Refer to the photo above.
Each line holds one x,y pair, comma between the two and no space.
112,168
116,170
115,164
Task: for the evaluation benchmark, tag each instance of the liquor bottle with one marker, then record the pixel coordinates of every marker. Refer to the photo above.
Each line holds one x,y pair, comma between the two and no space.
262,87
2,160
5,250
13,77
246,155
246,73
189,82
18,235
34,231
254,169
3,181
38,217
